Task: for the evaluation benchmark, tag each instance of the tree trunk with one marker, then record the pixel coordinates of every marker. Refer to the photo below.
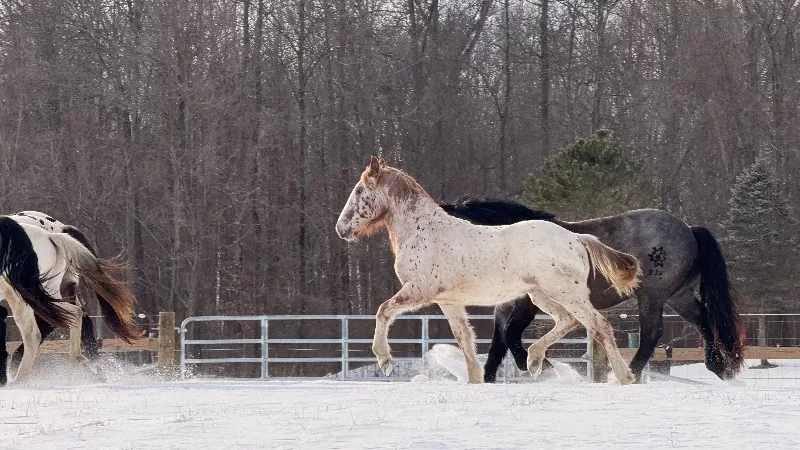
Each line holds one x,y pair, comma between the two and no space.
544,48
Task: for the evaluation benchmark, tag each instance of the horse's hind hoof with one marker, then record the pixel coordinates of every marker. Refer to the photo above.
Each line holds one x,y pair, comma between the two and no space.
628,378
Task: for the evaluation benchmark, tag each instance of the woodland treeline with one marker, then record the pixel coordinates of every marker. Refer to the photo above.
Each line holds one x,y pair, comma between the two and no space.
213,143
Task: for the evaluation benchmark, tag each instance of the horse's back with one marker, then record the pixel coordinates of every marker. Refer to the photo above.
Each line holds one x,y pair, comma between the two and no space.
38,219
663,243
546,245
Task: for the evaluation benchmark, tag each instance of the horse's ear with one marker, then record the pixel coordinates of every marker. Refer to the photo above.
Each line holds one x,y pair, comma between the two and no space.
376,163
373,172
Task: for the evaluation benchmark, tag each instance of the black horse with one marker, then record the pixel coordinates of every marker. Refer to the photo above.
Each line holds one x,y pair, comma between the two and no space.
678,262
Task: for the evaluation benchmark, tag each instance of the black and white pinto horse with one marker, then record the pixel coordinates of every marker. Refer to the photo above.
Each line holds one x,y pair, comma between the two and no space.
42,261
89,344
683,268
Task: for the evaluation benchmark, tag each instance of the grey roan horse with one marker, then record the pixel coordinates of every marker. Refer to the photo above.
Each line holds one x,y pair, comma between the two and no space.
680,264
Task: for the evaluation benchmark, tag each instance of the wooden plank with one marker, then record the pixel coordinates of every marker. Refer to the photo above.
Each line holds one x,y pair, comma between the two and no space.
109,346
699,354
74,344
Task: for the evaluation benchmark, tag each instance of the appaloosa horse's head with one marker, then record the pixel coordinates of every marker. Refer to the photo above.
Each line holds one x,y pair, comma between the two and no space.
369,206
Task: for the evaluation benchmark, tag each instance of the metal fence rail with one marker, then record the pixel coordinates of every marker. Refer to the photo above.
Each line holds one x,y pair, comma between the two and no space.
344,359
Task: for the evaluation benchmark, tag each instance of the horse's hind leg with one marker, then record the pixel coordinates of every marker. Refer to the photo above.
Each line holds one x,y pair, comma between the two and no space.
564,323
75,325
693,312
510,320
497,351
651,327
90,344
580,308
459,323
523,314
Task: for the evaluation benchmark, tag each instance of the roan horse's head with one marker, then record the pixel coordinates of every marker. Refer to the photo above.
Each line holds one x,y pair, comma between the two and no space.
364,212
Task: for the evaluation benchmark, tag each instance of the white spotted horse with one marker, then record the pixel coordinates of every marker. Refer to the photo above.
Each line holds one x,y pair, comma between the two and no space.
683,268
38,261
451,262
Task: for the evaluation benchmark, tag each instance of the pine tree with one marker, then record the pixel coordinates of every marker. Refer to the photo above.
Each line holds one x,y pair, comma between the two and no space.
591,178
761,242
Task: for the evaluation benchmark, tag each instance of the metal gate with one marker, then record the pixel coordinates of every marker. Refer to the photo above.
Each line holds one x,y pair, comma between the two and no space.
344,340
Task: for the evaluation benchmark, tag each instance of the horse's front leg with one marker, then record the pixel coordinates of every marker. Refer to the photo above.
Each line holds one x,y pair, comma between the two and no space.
407,299
465,336
3,352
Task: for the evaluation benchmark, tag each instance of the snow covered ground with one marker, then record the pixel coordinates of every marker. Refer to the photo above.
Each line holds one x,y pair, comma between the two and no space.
141,412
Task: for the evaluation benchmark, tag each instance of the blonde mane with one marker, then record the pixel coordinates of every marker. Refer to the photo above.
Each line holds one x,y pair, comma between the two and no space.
399,184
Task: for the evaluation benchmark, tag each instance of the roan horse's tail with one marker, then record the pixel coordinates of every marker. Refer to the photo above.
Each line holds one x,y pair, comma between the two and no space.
620,269
117,302
715,291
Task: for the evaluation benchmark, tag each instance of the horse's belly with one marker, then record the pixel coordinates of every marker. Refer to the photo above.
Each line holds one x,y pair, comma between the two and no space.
483,293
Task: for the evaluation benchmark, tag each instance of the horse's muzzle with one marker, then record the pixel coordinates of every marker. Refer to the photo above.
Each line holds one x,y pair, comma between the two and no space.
344,232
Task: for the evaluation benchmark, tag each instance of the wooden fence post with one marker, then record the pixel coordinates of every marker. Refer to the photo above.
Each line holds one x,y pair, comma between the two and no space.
599,363
74,345
166,341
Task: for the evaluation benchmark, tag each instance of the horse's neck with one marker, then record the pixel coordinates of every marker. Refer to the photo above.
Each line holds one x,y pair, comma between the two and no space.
412,217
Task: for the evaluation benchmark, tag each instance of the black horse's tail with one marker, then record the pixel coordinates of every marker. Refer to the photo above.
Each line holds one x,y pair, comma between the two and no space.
19,264
715,291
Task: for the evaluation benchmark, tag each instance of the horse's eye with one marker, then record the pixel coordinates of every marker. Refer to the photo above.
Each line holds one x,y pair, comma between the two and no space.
359,190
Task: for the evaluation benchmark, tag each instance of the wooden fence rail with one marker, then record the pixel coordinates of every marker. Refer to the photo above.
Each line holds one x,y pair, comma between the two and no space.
694,354
164,345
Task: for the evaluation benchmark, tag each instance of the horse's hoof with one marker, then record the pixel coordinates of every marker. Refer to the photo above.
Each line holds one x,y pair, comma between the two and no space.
476,381
628,378
535,368
386,367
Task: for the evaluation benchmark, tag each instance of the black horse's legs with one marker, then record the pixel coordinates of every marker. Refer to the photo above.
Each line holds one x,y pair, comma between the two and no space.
497,351
91,345
695,313
523,314
510,320
651,327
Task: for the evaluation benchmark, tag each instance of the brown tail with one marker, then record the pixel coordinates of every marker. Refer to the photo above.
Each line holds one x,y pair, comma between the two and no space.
620,269
117,302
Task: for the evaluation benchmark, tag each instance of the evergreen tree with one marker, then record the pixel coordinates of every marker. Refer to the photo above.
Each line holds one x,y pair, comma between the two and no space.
591,178
761,242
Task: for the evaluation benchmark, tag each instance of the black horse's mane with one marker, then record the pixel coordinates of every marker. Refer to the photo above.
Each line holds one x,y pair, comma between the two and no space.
493,211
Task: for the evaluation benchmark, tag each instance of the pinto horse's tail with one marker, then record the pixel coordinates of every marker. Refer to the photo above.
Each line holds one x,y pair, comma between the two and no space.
716,293
117,302
621,270
19,265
